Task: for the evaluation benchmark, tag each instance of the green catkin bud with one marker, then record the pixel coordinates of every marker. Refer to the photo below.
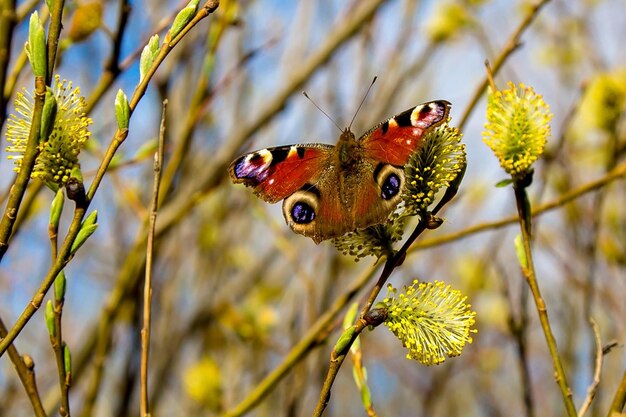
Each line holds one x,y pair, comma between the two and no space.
48,115
520,252
149,53
36,48
59,287
56,208
86,229
183,17
67,362
50,323
122,110
344,340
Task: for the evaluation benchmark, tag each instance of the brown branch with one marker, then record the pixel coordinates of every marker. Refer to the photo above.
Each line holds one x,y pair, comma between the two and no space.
147,292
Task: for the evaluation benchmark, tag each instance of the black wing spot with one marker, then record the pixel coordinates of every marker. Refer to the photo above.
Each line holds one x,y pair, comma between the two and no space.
279,155
377,170
385,126
300,150
404,119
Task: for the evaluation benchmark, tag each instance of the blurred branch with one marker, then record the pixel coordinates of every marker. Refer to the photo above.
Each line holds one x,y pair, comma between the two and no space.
591,391
509,47
112,67
25,368
298,352
616,174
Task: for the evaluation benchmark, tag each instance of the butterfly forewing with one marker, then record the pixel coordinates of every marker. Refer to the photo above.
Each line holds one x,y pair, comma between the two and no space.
276,173
394,140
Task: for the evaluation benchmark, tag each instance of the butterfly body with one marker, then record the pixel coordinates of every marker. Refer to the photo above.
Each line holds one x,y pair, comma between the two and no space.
331,190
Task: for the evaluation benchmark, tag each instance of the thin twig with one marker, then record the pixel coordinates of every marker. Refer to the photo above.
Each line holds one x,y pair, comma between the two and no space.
591,391
147,289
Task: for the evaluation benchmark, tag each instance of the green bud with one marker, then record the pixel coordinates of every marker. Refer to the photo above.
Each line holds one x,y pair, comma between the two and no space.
86,229
344,341
520,252
50,323
56,208
48,116
122,110
59,287
67,359
183,17
36,47
50,4
149,53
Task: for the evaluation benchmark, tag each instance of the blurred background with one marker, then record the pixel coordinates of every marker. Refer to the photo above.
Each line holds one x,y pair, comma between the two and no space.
235,289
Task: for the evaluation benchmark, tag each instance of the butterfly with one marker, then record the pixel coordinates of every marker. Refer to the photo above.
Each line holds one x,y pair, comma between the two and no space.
327,190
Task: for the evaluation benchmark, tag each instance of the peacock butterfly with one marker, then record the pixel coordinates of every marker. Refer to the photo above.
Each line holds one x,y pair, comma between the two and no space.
329,190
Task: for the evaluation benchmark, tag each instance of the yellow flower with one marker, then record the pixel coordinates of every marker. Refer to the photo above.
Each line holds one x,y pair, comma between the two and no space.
431,320
434,166
59,151
517,128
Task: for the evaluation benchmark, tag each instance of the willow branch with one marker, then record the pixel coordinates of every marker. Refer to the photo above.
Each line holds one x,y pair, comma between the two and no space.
147,291
525,218
79,212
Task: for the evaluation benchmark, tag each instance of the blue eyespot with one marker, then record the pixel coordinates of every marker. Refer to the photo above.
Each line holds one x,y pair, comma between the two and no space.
302,213
390,187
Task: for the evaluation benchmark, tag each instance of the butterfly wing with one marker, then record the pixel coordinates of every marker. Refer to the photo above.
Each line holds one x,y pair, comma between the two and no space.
276,173
394,140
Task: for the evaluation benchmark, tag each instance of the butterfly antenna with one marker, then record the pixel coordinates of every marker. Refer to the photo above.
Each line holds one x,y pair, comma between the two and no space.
362,101
320,109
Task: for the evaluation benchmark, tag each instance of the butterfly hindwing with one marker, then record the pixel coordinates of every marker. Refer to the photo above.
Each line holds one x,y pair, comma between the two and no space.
276,173
394,140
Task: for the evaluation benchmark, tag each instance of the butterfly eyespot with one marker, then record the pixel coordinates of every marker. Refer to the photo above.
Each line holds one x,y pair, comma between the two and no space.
390,187
300,208
302,213
390,179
